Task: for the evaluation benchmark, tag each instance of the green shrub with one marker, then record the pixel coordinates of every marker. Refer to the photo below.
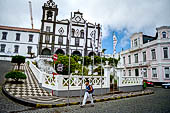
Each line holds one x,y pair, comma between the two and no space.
16,75
85,71
87,61
97,60
62,59
18,59
98,70
77,58
28,62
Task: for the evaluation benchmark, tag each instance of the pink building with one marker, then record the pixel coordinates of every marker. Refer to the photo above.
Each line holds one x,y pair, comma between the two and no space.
148,56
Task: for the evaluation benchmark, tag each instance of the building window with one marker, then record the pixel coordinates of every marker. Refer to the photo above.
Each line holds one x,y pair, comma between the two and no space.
165,49
164,34
144,56
123,60
49,15
31,38
2,48
167,72
136,58
145,72
135,42
76,41
60,40
154,73
47,38
129,72
48,29
4,35
29,49
124,73
82,33
73,32
17,36
153,54
16,48
129,59
136,72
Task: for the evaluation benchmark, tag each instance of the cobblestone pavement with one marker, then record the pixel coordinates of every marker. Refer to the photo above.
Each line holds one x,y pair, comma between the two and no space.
30,89
6,105
4,68
159,102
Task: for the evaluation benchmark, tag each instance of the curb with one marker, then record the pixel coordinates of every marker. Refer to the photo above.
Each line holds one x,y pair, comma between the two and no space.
38,105
17,100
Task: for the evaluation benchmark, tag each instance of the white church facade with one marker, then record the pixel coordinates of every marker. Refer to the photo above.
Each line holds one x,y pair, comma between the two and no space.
54,37
74,34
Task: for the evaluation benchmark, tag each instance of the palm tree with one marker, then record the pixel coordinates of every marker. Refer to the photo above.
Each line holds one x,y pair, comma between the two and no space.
103,50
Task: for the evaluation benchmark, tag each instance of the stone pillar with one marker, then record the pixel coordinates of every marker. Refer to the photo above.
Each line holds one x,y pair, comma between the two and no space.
107,74
119,76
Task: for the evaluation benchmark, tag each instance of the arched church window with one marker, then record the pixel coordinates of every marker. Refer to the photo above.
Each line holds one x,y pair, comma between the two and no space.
82,33
164,34
47,38
49,15
73,32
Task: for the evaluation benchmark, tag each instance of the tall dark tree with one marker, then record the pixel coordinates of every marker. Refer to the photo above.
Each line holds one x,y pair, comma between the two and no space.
18,59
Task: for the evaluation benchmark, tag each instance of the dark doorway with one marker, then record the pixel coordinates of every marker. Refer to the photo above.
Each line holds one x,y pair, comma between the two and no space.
60,51
46,51
76,53
91,54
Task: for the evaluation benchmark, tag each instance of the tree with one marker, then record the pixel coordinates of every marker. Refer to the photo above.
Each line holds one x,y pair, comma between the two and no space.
62,59
97,60
103,50
77,58
87,61
98,70
16,75
18,59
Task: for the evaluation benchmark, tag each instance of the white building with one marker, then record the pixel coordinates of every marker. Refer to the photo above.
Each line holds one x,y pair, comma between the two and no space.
148,56
18,41
55,34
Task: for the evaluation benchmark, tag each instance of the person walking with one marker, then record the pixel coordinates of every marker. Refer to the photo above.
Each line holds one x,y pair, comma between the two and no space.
88,94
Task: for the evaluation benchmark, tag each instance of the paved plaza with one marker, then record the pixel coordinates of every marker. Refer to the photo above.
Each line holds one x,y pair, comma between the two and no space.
30,93
154,103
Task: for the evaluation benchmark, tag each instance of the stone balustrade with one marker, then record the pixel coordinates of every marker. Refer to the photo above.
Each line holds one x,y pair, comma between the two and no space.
60,82
130,81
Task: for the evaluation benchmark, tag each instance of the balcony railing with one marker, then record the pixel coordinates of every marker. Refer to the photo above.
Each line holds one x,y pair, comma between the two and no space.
139,64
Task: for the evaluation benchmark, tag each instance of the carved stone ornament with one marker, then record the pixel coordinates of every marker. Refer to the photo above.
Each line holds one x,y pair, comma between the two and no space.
50,4
61,30
78,19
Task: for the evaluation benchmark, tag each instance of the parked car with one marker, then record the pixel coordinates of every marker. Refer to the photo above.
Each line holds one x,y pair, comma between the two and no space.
149,83
166,85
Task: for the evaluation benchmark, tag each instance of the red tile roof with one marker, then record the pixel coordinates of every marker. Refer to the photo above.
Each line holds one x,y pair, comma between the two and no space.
19,29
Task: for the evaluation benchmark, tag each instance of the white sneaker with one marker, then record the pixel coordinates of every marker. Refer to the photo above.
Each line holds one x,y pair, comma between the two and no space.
82,106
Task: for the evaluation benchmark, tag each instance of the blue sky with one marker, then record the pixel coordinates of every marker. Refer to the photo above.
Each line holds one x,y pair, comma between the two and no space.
107,42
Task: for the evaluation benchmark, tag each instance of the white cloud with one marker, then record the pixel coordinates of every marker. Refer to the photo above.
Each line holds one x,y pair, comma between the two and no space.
124,42
134,15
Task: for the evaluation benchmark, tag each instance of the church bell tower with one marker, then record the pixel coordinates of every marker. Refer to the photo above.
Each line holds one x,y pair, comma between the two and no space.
47,33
